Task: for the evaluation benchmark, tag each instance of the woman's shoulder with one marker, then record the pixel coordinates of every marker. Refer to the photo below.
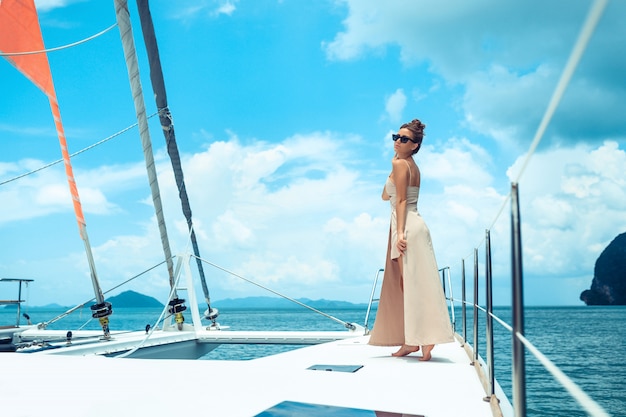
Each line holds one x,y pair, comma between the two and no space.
401,166
399,163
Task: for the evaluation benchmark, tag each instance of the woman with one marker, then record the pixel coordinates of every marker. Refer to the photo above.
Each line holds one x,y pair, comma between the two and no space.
412,309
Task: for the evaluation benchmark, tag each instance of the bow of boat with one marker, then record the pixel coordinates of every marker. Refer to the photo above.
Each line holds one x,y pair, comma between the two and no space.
348,376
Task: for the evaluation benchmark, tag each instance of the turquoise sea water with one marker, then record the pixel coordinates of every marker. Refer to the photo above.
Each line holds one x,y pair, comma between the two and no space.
587,343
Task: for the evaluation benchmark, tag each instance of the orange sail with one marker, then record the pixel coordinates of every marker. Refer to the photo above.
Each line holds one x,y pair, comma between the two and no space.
22,45
19,33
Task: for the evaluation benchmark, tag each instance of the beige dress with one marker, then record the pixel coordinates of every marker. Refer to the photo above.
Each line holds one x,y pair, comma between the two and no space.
412,309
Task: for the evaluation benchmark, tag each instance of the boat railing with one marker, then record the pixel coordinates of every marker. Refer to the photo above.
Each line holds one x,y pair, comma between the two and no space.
372,300
520,342
445,276
517,329
19,301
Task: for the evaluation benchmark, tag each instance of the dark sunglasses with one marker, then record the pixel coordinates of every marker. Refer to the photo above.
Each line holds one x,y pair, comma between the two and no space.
403,139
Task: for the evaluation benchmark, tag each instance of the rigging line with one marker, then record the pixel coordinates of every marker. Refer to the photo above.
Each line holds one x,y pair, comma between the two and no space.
593,17
161,318
58,48
71,310
58,161
583,39
346,324
167,124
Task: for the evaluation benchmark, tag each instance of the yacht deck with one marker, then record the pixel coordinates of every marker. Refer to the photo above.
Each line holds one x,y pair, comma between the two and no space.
97,386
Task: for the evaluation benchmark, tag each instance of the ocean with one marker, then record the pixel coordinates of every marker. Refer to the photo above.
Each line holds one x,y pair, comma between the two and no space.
587,343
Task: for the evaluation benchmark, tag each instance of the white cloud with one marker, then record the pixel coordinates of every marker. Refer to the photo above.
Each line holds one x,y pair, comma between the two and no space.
212,8
458,161
571,202
45,5
491,101
458,199
46,192
227,8
394,105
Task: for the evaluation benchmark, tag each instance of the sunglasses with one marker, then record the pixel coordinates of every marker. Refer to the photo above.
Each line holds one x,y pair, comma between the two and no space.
403,139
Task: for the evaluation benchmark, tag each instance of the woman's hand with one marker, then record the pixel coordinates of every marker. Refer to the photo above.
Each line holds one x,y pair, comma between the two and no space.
401,243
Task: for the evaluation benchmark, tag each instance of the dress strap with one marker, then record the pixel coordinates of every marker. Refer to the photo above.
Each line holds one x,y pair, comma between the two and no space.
409,167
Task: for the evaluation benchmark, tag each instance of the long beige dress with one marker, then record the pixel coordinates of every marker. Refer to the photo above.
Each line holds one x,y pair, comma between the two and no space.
412,309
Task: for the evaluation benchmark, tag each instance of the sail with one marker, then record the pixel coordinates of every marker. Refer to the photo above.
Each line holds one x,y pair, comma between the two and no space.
22,44
123,21
167,124
19,32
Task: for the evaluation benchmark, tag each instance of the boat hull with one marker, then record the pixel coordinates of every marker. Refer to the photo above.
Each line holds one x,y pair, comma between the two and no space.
164,344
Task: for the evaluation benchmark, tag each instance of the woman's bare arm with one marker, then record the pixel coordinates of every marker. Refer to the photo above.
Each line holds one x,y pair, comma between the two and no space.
400,177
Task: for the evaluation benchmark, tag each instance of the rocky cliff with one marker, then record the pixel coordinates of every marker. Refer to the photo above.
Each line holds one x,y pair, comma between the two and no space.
609,276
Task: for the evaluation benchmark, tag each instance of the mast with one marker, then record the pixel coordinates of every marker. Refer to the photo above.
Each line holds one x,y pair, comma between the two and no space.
165,116
19,29
123,21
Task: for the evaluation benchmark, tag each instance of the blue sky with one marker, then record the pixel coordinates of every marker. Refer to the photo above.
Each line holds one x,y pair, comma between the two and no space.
283,113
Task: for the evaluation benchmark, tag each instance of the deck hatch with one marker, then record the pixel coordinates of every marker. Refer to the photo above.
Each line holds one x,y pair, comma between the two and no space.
297,409
336,368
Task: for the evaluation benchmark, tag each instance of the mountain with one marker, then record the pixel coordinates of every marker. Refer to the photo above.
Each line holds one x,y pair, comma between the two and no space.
132,299
608,286
53,306
281,303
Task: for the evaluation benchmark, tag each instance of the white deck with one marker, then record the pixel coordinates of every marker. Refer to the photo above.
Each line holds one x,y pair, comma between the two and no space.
35,385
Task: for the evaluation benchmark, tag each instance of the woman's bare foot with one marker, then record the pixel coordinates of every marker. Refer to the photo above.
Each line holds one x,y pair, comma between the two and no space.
405,350
426,352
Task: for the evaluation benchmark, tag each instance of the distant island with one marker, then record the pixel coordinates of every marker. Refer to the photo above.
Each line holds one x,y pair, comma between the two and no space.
126,299
133,299
274,303
608,286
